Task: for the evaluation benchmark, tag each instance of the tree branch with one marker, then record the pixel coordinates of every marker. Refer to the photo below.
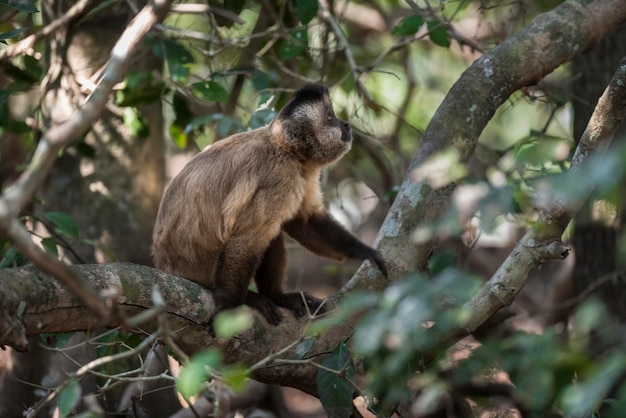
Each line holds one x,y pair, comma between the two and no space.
59,136
543,241
27,44
552,39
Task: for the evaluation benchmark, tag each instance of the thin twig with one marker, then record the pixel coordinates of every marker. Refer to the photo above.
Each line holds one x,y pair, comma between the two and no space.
28,43
87,368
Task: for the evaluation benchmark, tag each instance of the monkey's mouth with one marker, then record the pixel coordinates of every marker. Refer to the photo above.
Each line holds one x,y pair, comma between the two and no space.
346,135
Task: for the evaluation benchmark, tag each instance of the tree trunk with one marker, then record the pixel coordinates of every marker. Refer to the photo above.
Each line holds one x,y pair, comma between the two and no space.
113,195
595,239
123,182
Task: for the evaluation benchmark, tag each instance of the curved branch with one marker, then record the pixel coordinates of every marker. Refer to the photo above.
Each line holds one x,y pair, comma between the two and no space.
552,39
544,240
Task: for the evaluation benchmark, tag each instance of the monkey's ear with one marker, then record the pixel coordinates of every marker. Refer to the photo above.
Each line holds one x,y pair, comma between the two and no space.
281,128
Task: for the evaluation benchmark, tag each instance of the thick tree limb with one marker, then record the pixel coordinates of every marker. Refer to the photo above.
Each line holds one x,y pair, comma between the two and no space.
523,59
34,303
544,240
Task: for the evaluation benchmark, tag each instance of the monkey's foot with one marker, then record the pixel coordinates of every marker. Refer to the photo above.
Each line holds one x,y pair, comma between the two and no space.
300,303
266,307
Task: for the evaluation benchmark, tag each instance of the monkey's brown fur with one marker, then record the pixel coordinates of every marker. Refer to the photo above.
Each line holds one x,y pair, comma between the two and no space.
221,220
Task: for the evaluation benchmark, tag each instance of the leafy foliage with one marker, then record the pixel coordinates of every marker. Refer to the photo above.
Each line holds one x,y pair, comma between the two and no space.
294,45
408,26
391,338
334,382
26,6
69,397
205,365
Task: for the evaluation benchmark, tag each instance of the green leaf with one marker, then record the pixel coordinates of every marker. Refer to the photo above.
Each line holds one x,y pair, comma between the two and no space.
12,258
261,118
582,398
306,10
137,125
232,322
56,340
200,121
210,91
441,261
262,83
33,67
11,34
103,5
178,135
176,56
236,377
173,52
303,348
408,26
227,126
4,96
178,128
294,45
140,87
335,390
50,245
438,33
321,325
20,74
26,6
64,223
196,372
69,396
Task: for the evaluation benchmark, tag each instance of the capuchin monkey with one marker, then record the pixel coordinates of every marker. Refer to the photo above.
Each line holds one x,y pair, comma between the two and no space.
222,220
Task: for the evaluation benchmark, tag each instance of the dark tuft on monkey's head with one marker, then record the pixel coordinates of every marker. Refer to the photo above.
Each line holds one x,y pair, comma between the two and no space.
308,94
308,128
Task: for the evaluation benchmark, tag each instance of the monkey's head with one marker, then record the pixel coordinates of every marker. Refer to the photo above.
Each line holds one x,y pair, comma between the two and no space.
308,128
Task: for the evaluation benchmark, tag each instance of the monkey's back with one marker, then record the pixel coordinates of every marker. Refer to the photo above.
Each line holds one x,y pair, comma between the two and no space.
239,190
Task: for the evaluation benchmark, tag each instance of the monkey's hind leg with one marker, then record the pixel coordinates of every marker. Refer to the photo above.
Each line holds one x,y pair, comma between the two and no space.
270,276
236,266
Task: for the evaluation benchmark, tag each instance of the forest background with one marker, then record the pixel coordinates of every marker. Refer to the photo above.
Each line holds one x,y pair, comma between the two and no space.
479,169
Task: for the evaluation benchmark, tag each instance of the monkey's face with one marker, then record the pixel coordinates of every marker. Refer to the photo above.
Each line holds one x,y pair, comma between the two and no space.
311,128
334,137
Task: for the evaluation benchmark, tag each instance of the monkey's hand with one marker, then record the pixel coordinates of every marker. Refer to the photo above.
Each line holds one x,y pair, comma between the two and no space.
375,258
300,304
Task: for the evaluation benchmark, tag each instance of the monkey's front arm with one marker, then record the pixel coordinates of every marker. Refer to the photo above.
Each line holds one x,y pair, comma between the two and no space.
321,234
